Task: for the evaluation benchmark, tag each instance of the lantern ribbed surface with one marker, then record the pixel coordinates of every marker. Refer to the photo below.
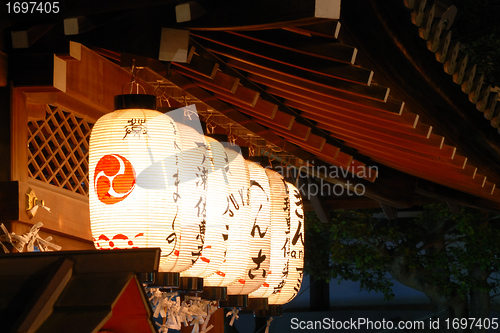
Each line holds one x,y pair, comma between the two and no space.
237,211
193,191
260,233
215,244
296,262
132,171
280,236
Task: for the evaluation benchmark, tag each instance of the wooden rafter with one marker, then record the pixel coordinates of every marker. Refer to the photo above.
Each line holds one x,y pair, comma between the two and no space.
288,40
341,78
262,14
248,49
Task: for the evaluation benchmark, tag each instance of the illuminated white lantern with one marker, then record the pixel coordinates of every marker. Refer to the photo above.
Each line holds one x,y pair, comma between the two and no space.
280,237
237,210
260,233
133,171
193,191
215,242
296,262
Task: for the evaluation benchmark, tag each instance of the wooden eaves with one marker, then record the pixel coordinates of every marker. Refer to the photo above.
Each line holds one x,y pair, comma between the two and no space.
296,84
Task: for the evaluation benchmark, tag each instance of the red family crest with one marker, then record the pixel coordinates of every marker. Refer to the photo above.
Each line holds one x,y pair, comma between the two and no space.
114,179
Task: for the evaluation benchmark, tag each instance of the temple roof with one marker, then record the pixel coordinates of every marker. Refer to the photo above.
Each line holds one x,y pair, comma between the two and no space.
378,89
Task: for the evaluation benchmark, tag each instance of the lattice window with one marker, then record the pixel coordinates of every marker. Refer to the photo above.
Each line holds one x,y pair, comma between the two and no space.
59,150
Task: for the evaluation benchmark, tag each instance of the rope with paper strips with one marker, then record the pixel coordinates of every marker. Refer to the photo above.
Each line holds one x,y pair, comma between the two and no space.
192,311
27,241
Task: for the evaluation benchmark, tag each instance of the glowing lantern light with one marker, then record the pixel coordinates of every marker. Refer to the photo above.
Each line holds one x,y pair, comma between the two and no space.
193,191
296,263
215,244
239,225
260,233
133,164
280,237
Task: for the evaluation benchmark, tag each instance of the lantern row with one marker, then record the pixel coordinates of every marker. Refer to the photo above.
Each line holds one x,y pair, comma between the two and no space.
155,182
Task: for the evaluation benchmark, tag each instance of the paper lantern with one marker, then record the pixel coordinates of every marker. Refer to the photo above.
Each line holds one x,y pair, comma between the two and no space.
260,233
239,225
215,242
193,191
296,261
134,159
280,237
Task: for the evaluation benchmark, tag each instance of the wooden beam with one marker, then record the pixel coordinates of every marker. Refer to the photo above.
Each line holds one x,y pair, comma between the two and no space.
280,59
67,103
19,137
77,25
345,131
301,43
174,45
262,14
233,114
328,29
275,85
89,261
392,105
405,157
387,123
311,81
188,11
372,149
91,78
39,310
477,186
200,66
392,186
69,212
447,194
328,106
314,143
22,39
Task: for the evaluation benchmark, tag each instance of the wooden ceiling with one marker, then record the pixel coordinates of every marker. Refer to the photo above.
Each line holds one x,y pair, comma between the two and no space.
304,91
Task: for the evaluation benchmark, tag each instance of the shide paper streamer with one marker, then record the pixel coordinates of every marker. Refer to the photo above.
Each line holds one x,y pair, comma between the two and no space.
192,311
27,241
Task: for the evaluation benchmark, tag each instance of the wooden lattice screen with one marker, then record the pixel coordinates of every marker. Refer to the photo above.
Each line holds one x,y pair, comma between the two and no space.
58,150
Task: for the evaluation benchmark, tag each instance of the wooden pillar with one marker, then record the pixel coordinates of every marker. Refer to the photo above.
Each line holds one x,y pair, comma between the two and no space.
19,137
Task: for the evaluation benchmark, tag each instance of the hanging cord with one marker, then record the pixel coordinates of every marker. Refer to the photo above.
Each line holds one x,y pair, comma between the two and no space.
163,97
231,137
134,81
251,146
251,149
269,155
279,150
209,124
188,113
285,161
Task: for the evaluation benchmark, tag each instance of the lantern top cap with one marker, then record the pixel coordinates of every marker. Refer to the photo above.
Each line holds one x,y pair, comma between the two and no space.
135,101
219,137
